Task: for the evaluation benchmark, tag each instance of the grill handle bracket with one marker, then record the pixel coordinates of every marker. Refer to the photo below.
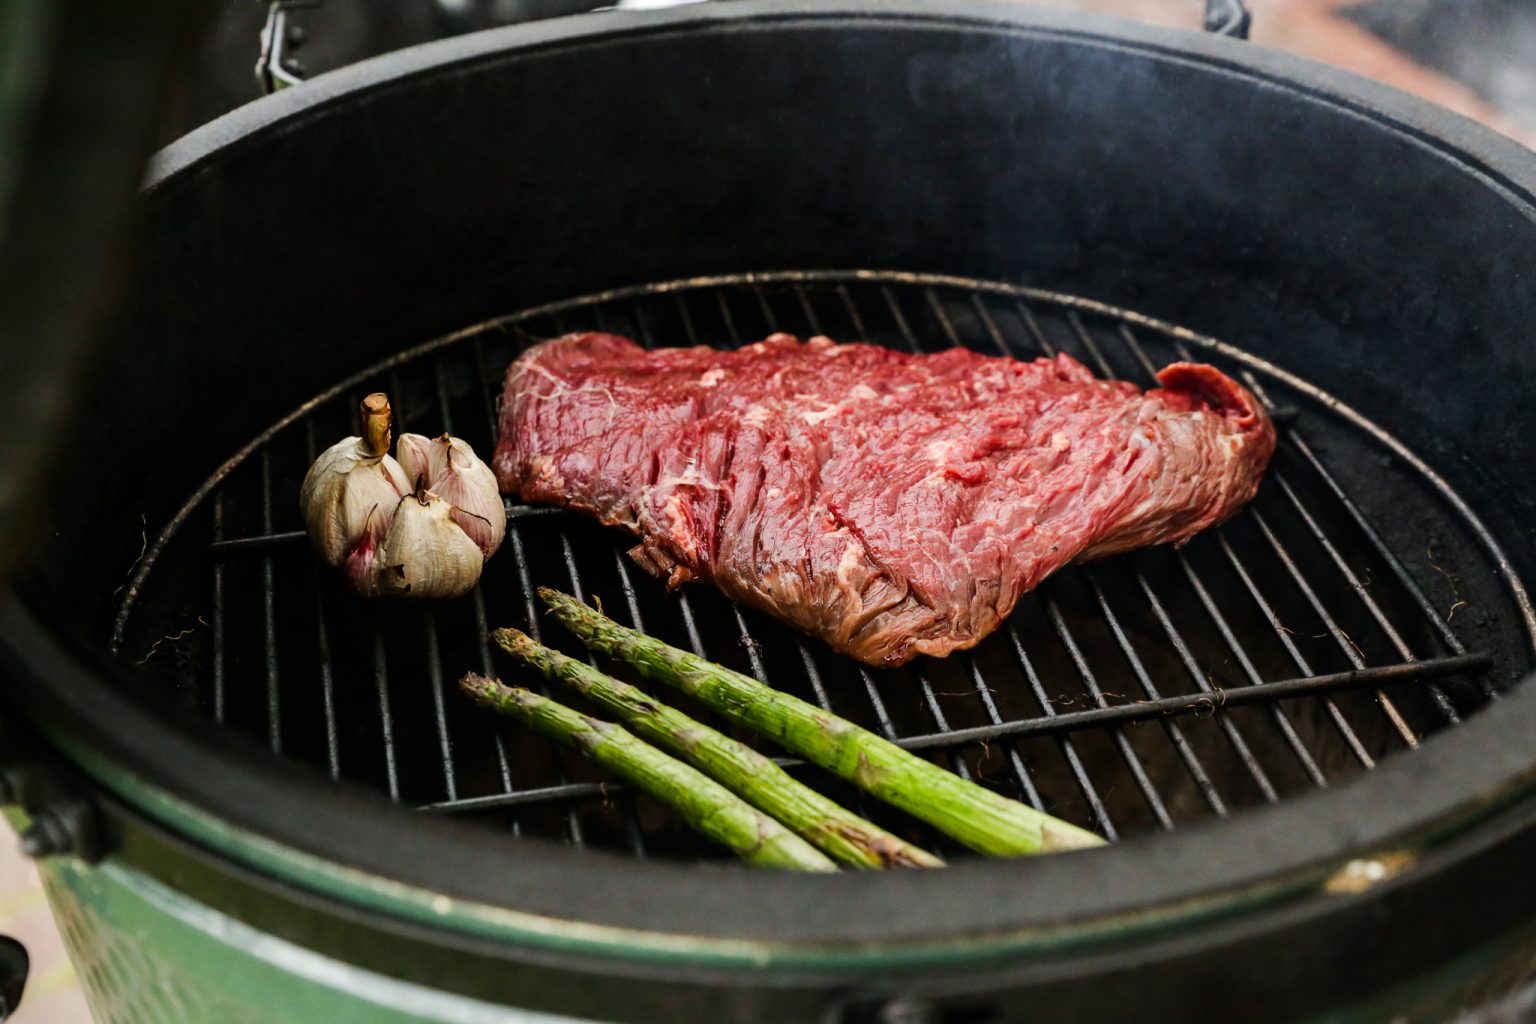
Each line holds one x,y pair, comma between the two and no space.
275,67
1227,18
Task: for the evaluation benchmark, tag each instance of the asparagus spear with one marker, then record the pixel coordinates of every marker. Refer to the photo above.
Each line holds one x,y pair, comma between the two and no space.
703,803
981,819
840,834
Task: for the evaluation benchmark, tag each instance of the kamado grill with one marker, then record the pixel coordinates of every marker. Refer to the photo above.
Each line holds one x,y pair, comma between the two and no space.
1305,731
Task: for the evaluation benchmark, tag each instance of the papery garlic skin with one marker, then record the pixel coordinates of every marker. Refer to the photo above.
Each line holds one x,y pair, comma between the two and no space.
349,495
425,553
451,470
420,527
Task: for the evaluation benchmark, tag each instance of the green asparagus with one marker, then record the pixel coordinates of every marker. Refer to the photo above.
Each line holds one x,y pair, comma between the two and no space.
703,803
981,819
837,832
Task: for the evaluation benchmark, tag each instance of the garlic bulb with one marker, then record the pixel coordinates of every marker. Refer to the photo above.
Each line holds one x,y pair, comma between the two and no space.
420,527
453,471
349,495
425,553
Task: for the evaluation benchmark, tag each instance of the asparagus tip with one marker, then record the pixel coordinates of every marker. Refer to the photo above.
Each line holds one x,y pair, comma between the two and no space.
479,686
509,638
1064,838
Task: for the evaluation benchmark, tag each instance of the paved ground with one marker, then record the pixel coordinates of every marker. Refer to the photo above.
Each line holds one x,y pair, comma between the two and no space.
53,994
1477,57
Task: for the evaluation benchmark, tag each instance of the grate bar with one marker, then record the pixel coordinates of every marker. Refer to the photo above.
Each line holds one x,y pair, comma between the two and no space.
1234,736
269,613
1192,762
489,392
530,609
1441,701
631,821
806,308
1346,646
439,707
1181,745
1346,571
1223,627
386,717
1056,723
762,302
261,542
322,640
1127,754
1192,667
853,310
1382,550
488,668
1015,760
631,816
1068,748
1237,696
482,621
1032,325
1282,721
434,656
327,684
218,613
1346,731
266,541
730,321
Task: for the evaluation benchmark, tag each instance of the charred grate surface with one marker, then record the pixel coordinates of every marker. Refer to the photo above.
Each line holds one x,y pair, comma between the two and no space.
1340,619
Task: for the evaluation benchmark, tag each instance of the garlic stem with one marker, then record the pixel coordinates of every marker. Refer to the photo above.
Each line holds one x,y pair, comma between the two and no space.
376,424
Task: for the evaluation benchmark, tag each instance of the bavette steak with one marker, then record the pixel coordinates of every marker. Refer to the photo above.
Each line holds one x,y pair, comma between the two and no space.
891,504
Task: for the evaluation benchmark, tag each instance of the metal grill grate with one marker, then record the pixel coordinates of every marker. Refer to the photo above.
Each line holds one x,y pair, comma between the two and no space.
1287,650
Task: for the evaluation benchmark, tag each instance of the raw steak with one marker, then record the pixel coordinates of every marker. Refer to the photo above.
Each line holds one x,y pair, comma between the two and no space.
891,504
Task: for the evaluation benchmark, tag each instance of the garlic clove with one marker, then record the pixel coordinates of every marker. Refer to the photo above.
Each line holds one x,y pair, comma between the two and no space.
362,563
425,553
453,471
422,457
349,492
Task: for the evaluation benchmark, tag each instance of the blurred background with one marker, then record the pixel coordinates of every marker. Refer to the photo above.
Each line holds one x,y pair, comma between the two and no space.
1472,56
1476,57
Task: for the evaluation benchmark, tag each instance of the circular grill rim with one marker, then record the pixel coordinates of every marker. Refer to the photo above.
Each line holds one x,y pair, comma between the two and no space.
181,776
